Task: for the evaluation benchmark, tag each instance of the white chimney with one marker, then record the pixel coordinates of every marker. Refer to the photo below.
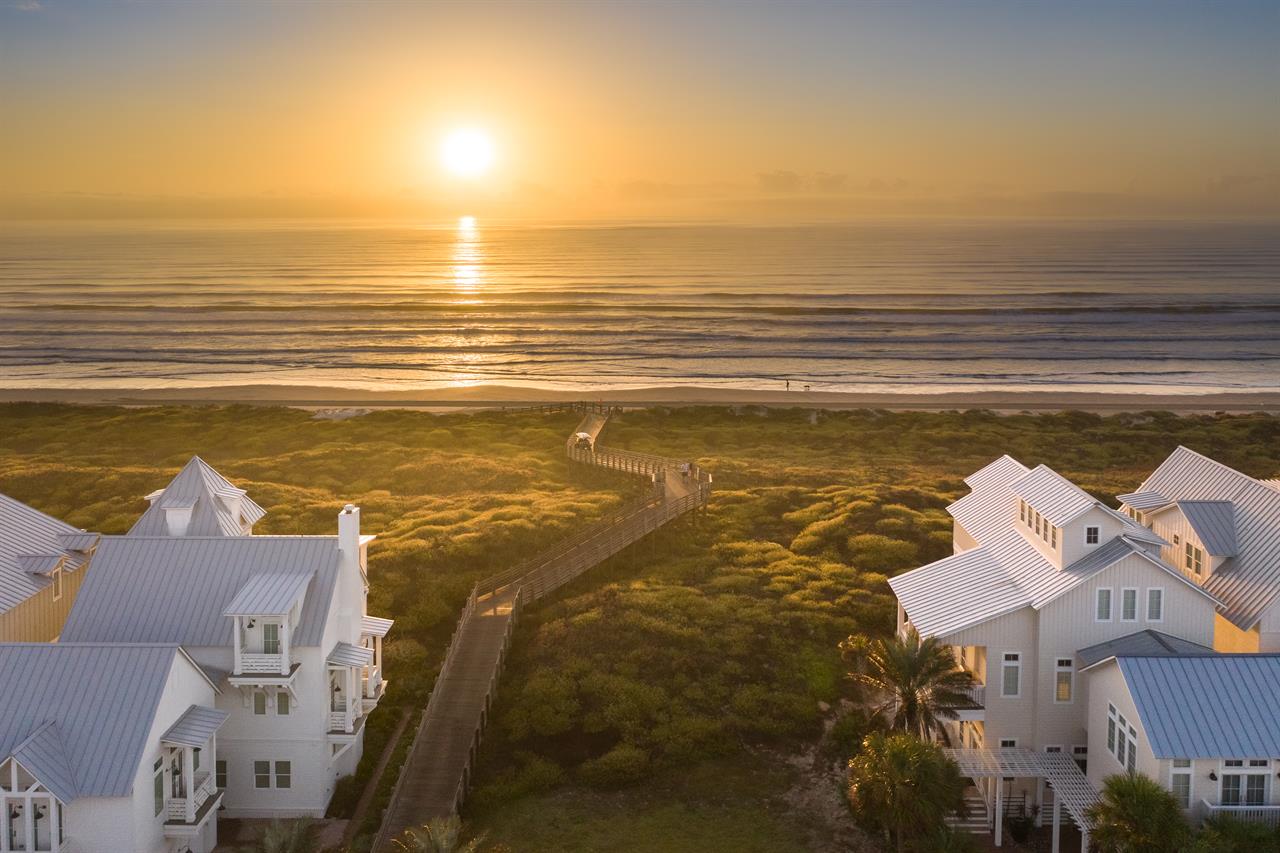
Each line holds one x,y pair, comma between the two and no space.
349,531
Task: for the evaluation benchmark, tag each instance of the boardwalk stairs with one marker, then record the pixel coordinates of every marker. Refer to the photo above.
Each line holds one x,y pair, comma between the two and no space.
977,818
437,774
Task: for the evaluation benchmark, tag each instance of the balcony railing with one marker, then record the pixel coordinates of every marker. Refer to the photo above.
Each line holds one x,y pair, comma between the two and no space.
370,682
342,716
262,664
1267,815
185,809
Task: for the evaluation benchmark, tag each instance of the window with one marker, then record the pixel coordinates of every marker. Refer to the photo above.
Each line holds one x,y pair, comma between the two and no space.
1064,674
158,769
220,774
1128,605
270,638
1155,605
1011,675
282,704
262,774
284,774
1194,559
1180,782
1022,510
1081,756
1177,540
259,702
1037,524
1245,786
1103,610
1008,743
57,583
1053,543
1091,536
1054,749
1123,737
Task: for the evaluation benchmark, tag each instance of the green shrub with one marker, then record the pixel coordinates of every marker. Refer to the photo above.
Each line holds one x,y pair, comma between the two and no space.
623,765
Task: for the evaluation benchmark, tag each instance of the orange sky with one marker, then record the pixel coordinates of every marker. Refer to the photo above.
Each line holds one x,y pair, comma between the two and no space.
610,109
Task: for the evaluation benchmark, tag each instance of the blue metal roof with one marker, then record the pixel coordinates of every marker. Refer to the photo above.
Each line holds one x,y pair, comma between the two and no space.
1207,706
175,589
269,594
79,716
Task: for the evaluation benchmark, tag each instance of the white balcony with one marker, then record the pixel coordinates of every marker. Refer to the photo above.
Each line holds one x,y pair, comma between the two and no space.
343,715
1267,815
262,663
372,688
184,813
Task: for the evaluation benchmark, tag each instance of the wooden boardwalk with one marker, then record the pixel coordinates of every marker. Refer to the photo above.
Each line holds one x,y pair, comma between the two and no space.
437,773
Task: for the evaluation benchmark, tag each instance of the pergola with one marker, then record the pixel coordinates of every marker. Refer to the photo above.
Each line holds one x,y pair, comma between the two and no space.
1070,787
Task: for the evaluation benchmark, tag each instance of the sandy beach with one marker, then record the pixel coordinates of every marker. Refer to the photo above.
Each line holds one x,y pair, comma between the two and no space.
498,396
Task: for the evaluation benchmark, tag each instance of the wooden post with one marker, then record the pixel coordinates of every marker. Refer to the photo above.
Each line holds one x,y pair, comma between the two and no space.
999,811
1057,819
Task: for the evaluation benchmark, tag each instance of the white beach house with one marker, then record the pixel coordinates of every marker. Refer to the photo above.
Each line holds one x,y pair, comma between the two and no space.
42,564
106,748
1080,623
1221,528
1207,727
277,622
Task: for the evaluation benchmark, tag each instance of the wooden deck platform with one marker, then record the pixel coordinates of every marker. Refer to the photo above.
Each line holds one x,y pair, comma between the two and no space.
437,774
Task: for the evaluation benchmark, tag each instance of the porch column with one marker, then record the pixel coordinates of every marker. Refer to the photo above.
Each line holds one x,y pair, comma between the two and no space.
238,650
284,648
351,692
1040,802
999,810
1084,839
1057,820
189,777
29,821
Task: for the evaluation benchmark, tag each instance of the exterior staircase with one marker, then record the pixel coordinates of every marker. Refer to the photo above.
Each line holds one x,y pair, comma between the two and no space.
977,819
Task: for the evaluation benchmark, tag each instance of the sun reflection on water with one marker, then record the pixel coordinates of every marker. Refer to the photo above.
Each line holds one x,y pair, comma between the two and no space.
468,259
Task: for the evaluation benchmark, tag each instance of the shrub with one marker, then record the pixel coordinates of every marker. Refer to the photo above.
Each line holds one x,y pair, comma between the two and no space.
623,765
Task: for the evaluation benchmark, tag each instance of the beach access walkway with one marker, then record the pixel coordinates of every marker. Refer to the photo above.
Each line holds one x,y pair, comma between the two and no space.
437,774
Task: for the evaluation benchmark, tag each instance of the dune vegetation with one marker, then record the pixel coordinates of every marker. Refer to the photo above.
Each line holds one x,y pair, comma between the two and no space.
690,688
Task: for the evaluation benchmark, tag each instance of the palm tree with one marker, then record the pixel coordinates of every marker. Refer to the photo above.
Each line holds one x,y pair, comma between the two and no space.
917,681
1137,815
438,835
904,787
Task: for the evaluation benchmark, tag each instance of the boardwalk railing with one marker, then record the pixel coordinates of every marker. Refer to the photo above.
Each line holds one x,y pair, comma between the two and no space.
459,704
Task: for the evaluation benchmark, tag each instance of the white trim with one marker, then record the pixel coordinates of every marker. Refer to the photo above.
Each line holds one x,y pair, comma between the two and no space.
1070,670
1004,664
1135,591
1174,770
1111,603
1150,590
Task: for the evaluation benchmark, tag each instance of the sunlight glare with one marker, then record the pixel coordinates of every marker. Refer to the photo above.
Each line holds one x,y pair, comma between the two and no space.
467,152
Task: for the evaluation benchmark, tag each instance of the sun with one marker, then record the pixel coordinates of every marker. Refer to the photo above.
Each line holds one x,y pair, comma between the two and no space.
467,152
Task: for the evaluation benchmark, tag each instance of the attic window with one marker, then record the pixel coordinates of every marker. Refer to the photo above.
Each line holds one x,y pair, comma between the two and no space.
1091,535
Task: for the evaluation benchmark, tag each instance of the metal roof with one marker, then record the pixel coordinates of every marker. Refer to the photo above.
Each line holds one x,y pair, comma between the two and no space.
1071,785
25,532
1214,523
272,594
375,626
217,505
43,564
1148,643
983,583
1053,495
195,727
175,589
1249,582
345,654
79,723
1207,706
986,512
1144,500
77,541
1001,472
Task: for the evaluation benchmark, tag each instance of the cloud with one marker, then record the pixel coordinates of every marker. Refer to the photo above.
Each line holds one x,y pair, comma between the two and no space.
780,181
27,6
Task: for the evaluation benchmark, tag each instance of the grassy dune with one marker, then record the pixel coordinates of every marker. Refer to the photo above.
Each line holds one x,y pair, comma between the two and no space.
654,703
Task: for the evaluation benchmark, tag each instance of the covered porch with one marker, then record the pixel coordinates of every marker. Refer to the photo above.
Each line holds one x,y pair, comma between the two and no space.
1071,790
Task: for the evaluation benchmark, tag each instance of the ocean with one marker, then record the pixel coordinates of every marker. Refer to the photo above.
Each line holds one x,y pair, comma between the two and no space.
873,307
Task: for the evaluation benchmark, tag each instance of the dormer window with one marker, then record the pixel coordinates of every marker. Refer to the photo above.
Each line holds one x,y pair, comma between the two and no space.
1091,535
1194,559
